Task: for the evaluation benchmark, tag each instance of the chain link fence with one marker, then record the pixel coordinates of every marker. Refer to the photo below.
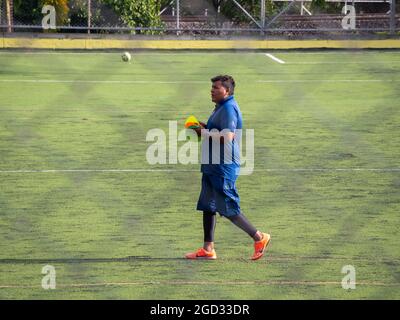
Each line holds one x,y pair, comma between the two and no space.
209,17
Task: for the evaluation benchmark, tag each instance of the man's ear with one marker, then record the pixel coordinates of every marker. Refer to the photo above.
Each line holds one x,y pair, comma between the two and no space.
228,92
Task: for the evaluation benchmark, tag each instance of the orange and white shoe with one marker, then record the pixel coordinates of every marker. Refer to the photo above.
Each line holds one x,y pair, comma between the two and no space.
261,246
202,254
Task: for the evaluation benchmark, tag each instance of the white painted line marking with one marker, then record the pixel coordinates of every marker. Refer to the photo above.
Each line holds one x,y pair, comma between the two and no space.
196,170
66,109
155,52
343,62
274,58
133,52
328,80
95,170
204,283
98,81
188,81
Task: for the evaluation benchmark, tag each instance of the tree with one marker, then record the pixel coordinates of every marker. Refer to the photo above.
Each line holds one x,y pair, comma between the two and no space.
61,7
138,13
27,12
232,12
318,5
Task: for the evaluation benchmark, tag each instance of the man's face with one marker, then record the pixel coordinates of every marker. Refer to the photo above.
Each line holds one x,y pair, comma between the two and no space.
218,92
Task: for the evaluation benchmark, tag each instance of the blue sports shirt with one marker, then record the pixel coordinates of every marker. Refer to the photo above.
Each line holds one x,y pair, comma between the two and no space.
226,115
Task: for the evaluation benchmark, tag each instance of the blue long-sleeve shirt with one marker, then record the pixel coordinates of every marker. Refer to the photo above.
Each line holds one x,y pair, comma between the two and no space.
226,115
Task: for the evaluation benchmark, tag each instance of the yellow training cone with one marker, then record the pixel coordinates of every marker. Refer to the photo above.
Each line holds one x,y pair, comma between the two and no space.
191,123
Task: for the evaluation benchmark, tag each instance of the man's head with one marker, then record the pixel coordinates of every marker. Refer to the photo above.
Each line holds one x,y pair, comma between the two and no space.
222,87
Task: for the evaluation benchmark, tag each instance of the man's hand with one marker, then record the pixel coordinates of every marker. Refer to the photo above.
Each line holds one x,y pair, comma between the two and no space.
198,130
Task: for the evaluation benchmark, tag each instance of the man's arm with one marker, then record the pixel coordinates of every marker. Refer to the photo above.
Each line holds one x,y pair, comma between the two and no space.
224,137
228,124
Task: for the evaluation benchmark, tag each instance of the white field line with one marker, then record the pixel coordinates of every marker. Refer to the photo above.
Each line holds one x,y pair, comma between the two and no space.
178,283
343,51
133,53
96,170
342,62
100,81
197,170
328,80
196,53
90,108
274,58
189,81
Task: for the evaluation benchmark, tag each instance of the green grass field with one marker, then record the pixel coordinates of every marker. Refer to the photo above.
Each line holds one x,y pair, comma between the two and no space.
326,181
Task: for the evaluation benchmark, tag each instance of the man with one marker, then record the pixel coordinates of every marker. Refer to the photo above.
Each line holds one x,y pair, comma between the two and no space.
218,190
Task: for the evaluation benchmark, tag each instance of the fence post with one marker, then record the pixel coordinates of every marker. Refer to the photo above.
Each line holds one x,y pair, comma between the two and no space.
89,15
392,17
262,14
177,17
10,15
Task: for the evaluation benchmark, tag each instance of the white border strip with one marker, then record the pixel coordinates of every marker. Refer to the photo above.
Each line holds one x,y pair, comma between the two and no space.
274,58
204,283
190,81
98,81
152,52
328,80
196,170
341,62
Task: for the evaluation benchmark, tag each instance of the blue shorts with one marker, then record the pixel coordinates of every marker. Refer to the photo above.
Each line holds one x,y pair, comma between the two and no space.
218,195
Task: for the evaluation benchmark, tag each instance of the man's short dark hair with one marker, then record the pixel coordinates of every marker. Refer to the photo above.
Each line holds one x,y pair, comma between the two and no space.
226,81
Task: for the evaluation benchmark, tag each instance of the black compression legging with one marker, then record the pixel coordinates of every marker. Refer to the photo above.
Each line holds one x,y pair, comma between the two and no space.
209,222
241,221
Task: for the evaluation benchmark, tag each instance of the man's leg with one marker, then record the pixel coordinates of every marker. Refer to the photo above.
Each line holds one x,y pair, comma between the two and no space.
209,222
227,202
261,240
206,204
243,223
207,252
228,205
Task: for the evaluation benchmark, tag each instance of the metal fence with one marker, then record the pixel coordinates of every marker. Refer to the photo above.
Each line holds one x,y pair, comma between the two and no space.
211,17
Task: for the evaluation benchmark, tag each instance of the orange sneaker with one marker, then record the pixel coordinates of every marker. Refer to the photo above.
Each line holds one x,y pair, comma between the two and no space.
261,246
202,254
